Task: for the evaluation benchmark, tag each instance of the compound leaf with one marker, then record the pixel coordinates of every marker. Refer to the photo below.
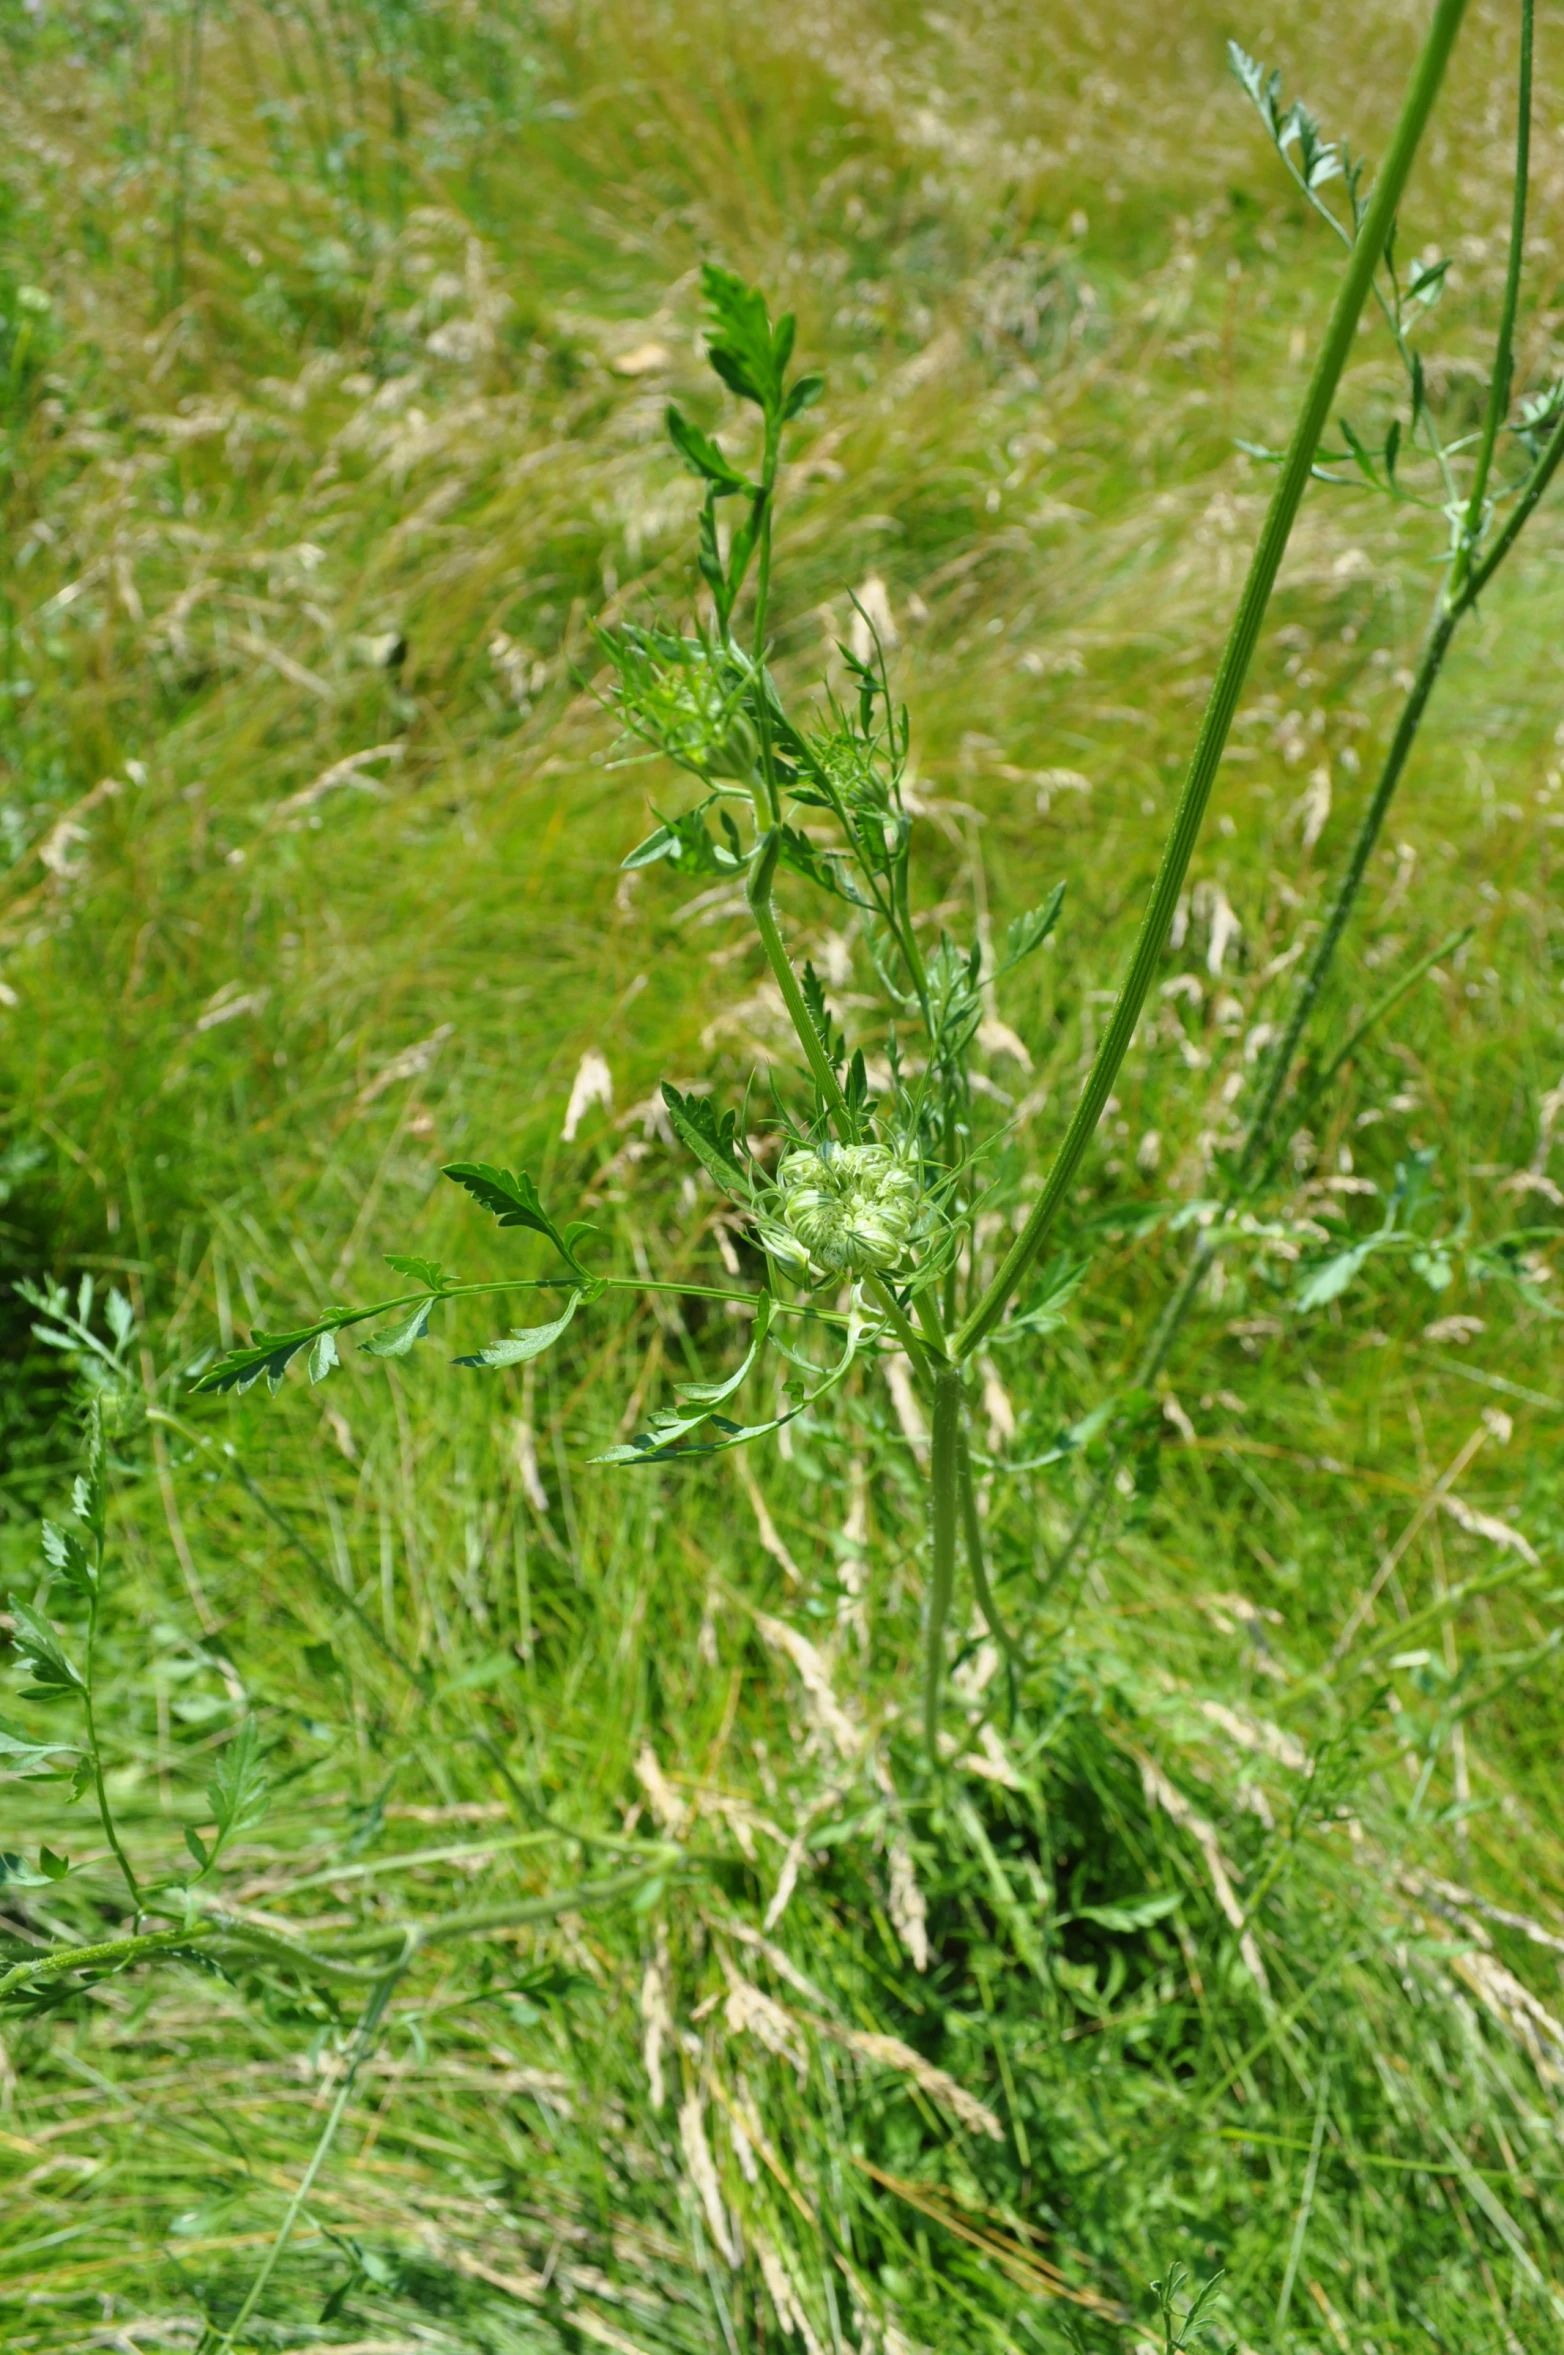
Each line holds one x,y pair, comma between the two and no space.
237,1793
524,1342
422,1271
1329,1278
55,1676
396,1340
710,1136
19,1750
804,395
1025,933
70,1560
702,456
268,1354
513,1200
740,343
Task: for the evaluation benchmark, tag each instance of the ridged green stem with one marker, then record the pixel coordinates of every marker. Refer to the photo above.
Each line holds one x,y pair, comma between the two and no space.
944,1480
1364,260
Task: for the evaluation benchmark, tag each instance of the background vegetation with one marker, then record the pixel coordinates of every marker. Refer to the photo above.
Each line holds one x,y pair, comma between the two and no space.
334,347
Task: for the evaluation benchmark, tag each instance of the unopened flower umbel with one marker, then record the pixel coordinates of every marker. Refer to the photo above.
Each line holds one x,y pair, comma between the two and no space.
851,1207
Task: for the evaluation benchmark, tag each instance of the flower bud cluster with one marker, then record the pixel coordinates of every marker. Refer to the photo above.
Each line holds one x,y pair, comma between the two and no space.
849,1209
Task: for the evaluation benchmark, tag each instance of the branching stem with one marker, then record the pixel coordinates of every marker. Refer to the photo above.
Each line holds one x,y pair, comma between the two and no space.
1280,1060
1231,672
1504,351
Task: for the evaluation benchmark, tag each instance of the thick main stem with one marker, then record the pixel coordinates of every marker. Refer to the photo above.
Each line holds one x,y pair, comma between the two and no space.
1362,264
944,1480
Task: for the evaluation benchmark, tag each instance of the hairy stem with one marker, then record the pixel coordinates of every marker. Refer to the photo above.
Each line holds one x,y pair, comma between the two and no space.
1231,671
234,1936
944,1483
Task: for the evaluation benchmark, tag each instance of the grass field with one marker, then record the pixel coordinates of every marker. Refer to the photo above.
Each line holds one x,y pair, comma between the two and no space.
335,341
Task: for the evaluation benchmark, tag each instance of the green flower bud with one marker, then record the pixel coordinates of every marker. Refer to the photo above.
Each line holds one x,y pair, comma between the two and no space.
852,1207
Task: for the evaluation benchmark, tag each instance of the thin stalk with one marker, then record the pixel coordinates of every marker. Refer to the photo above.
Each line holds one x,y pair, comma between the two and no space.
944,1483
1152,1360
1446,622
510,1916
105,1812
1456,602
825,1079
1504,351
972,1529
230,1931
1382,1006
1519,516
1231,671
1280,1060
363,2043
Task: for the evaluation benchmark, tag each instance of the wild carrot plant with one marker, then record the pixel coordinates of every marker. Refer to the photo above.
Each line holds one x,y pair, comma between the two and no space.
873,1213
863,1193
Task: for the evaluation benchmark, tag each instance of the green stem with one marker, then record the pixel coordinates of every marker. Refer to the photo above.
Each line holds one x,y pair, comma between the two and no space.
107,1953
1520,515
1236,655
1504,353
363,2044
105,1812
944,1481
510,1916
1304,1105
972,1529
761,908
1447,621
1280,1060
231,1934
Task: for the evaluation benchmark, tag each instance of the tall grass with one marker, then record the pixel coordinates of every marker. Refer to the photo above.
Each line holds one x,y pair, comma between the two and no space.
352,342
